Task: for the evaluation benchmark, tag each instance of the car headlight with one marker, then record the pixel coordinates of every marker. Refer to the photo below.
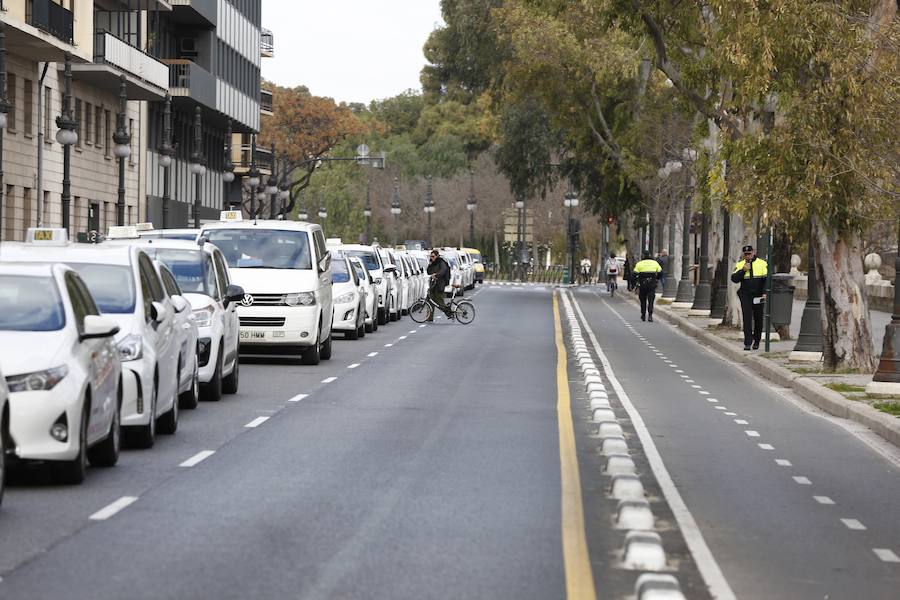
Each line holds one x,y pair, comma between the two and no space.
131,347
344,298
301,299
203,316
37,381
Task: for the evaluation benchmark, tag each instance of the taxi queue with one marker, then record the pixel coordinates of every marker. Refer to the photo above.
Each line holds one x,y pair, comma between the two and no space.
104,341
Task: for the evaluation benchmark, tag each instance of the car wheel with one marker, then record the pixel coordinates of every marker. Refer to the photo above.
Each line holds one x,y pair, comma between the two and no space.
212,391
168,423
106,453
382,316
191,397
370,328
325,351
74,471
143,436
230,383
362,329
352,334
375,323
311,356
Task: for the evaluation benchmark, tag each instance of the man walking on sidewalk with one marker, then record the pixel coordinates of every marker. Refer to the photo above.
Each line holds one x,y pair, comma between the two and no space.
646,274
751,272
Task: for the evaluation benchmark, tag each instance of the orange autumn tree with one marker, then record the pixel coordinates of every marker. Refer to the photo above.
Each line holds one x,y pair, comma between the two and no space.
304,129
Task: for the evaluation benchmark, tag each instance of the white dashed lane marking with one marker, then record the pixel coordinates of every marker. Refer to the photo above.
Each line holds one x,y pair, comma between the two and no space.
388,345
353,366
802,480
113,508
199,457
886,555
257,422
298,397
823,499
782,462
402,337
853,524
329,379
766,446
752,433
371,354
741,422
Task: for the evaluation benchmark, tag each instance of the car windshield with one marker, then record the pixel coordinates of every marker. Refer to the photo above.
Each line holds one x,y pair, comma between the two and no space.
187,266
339,272
262,248
162,235
368,258
451,260
476,257
30,304
112,286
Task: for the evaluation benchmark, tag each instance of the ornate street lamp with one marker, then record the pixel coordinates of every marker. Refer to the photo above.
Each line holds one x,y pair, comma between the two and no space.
122,148
253,177
570,202
302,214
166,152
702,295
66,136
471,204
429,210
395,208
367,211
671,286
228,167
198,162
4,109
685,294
720,300
272,187
283,195
809,345
887,376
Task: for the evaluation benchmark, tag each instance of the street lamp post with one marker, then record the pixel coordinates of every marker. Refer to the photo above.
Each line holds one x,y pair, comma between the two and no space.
809,341
198,168
302,214
471,205
702,295
252,177
367,211
520,229
122,148
570,202
887,376
323,214
429,209
66,136
4,109
395,209
671,286
684,297
228,168
720,304
272,187
165,158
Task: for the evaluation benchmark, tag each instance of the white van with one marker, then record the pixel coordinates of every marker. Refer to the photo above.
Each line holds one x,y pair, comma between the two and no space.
285,271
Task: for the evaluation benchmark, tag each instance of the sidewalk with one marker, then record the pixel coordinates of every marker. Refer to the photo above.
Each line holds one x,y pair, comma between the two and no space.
840,394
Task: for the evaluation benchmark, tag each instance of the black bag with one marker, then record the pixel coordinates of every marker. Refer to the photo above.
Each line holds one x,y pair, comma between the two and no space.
647,282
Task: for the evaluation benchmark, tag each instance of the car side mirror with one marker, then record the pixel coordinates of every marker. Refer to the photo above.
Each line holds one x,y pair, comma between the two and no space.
390,269
180,303
233,293
325,263
96,326
158,312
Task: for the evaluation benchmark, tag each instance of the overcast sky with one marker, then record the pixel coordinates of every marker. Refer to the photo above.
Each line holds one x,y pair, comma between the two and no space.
349,50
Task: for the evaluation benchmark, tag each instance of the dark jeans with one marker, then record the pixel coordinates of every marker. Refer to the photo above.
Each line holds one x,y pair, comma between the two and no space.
648,297
753,320
437,296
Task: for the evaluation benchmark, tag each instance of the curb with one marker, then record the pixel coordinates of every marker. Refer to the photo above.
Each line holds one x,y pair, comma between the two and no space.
886,426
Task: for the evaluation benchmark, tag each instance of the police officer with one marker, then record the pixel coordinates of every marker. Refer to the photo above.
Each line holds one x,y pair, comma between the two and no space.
646,274
751,272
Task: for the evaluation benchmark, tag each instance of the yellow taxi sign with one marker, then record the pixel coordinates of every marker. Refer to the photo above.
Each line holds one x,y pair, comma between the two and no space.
231,215
48,236
122,232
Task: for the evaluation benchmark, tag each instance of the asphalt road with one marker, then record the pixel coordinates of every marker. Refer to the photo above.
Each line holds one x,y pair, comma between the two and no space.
425,462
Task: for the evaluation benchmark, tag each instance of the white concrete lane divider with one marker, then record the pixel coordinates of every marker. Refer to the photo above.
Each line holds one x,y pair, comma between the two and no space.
113,508
621,464
644,551
197,458
634,514
627,486
654,586
602,414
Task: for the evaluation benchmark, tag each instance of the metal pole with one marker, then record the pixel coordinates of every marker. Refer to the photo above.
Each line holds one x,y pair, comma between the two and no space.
810,337
166,150
889,366
253,173
272,179
228,167
720,306
685,291
768,303
671,287
66,122
122,138
704,289
198,158
4,109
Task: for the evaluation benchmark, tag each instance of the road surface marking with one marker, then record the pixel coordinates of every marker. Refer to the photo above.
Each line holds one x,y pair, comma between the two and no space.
353,366
802,480
679,371
731,414
371,354
697,387
113,508
402,337
886,555
782,462
576,559
329,379
199,457
412,330
853,524
766,446
421,326
713,400
723,408
703,393
741,422
257,422
752,433
298,397
388,345
706,562
823,500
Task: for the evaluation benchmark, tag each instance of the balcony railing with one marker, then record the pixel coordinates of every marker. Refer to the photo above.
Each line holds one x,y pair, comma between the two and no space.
267,43
51,17
266,102
111,50
187,78
263,158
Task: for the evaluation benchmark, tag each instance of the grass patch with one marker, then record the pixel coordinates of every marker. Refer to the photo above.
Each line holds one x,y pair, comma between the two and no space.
891,408
845,387
806,370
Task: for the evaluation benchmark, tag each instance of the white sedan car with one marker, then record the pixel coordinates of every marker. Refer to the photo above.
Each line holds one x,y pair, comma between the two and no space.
367,283
349,302
4,432
126,287
62,370
188,339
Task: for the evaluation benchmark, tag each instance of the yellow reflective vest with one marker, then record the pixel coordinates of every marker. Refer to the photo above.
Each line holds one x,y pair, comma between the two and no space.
648,265
753,281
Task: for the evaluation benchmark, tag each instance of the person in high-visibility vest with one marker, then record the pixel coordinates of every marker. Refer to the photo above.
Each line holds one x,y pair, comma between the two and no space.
751,272
646,274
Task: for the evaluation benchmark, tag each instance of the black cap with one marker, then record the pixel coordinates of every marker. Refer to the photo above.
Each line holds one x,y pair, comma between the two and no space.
747,248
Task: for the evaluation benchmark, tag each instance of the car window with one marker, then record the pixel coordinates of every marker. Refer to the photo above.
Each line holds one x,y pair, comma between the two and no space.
30,304
146,294
91,307
187,267
339,272
368,258
221,274
169,283
156,288
111,286
79,309
263,248
319,238
210,276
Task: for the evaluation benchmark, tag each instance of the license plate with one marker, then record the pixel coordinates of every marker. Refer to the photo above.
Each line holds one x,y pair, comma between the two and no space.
253,335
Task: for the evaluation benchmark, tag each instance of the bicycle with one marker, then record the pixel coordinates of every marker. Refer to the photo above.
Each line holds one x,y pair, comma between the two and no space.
461,310
611,284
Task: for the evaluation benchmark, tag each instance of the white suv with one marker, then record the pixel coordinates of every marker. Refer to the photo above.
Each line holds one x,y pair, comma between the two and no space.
285,271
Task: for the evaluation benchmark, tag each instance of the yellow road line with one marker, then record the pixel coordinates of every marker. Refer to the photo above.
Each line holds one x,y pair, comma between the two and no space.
579,576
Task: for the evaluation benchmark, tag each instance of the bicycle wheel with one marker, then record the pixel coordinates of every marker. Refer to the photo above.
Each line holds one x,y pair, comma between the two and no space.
421,311
465,312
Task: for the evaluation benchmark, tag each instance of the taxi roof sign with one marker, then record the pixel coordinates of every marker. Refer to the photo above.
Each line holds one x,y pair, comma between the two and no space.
47,236
144,226
231,215
333,242
122,232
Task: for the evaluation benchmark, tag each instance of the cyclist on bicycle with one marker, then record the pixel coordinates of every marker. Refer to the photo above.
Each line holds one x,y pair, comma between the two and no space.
585,270
612,271
439,272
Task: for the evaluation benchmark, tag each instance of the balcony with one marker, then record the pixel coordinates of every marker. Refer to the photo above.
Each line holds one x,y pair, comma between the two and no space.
266,103
188,79
267,44
242,159
148,79
195,12
51,17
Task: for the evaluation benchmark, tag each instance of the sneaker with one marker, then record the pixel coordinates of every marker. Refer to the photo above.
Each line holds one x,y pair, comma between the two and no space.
747,348
650,318
643,318
756,345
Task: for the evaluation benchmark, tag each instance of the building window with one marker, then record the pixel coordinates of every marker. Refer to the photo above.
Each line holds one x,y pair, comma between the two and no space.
98,123
28,127
11,96
78,122
88,123
48,102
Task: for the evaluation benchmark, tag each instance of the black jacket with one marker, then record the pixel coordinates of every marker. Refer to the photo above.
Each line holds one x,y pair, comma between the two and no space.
750,286
441,270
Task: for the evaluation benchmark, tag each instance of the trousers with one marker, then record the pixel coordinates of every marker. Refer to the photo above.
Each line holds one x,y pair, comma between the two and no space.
436,294
753,320
648,297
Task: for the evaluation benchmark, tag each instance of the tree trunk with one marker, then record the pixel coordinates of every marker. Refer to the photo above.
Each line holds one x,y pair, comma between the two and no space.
846,326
